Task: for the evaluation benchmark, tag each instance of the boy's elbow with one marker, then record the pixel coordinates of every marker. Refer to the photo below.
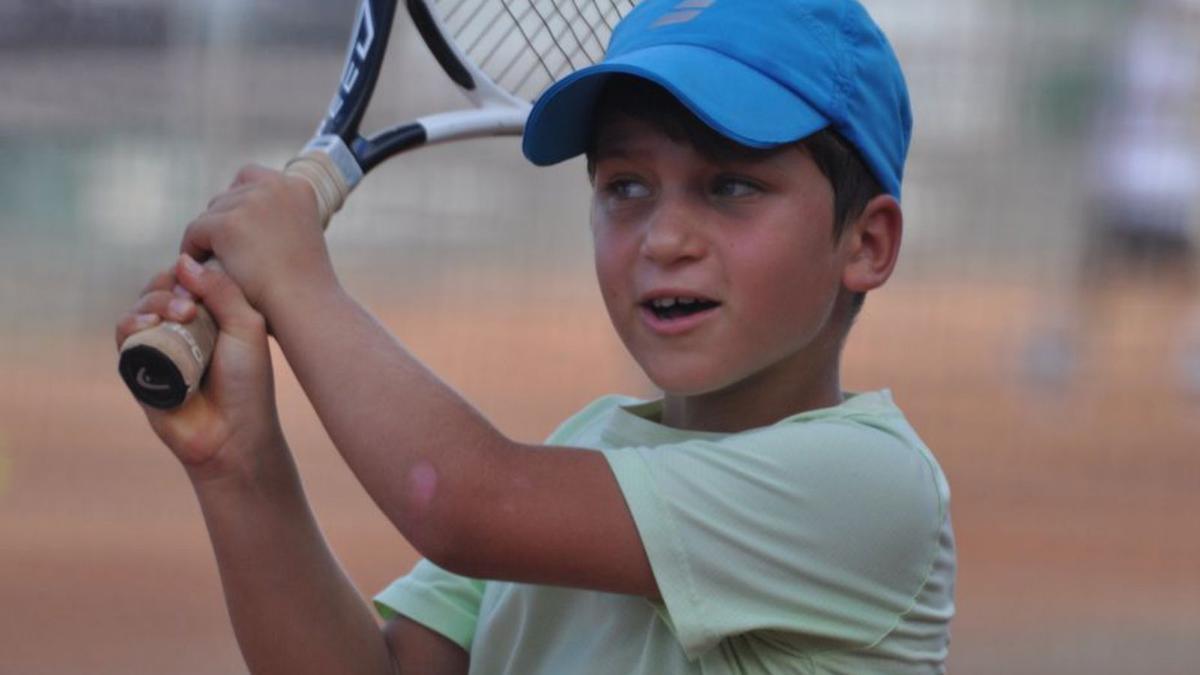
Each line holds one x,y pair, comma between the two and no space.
453,541
438,541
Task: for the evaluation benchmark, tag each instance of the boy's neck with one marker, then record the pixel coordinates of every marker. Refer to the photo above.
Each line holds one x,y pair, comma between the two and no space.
758,401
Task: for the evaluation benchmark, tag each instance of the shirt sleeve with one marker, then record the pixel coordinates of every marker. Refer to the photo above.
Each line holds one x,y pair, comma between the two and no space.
439,600
820,531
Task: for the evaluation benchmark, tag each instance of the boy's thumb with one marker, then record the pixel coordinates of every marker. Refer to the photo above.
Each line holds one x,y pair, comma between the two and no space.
221,295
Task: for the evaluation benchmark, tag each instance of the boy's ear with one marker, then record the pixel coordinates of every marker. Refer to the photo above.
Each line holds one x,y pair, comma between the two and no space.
871,244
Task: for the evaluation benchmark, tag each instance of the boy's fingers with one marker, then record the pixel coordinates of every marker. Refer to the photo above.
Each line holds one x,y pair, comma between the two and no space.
134,322
221,295
229,199
198,238
253,173
166,304
152,308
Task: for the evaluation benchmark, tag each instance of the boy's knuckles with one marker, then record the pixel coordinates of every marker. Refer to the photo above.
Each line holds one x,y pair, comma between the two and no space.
246,174
130,323
195,232
154,302
216,232
255,173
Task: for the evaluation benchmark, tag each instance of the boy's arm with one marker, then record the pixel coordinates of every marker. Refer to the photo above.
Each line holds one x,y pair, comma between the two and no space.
292,607
418,650
465,496
468,498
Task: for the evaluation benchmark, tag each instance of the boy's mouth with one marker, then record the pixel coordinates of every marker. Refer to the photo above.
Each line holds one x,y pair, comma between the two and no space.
678,307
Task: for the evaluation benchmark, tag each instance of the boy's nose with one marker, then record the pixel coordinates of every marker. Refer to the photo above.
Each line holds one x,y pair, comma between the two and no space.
673,234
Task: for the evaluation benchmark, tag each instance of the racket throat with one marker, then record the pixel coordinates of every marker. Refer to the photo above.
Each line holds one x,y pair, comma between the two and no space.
435,38
379,147
493,120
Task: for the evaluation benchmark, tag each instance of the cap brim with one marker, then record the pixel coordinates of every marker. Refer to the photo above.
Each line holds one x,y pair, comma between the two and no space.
738,102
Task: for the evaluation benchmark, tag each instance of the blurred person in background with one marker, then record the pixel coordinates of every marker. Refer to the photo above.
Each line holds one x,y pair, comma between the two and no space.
1142,182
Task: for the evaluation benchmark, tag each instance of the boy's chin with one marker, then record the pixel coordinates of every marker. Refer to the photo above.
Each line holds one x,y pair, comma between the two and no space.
682,385
694,374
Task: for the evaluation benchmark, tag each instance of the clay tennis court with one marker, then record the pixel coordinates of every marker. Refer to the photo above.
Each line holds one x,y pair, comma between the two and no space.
1074,508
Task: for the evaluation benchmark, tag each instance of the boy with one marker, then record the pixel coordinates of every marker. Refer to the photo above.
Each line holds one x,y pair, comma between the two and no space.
756,519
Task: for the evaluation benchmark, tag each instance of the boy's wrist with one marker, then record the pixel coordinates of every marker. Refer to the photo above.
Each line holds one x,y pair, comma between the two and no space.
234,468
305,293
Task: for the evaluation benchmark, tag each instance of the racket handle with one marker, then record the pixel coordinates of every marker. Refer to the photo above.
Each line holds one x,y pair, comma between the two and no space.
328,181
163,365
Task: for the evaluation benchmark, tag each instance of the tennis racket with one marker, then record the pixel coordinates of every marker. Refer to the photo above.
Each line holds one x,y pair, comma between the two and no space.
500,53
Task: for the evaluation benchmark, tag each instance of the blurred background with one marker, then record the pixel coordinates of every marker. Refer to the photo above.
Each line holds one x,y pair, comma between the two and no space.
1042,330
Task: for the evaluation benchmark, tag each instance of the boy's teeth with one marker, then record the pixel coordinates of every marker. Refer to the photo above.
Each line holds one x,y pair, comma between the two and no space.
667,303
679,304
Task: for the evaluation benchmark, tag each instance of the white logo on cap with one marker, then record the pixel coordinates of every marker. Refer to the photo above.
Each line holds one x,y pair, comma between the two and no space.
683,12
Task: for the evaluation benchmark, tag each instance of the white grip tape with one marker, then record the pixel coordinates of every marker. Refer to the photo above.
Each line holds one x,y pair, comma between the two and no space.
330,167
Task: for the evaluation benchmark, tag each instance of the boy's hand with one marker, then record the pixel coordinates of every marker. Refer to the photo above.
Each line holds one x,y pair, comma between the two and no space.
265,231
233,415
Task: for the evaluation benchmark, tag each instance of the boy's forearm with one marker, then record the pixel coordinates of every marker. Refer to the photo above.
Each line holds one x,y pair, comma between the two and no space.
409,438
292,607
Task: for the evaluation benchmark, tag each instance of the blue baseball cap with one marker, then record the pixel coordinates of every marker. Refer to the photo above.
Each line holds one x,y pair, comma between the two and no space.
759,72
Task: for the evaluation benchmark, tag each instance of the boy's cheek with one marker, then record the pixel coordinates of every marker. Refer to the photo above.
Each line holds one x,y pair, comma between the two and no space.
612,258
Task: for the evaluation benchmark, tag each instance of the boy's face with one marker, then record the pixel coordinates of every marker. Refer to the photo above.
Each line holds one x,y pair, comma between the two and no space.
714,271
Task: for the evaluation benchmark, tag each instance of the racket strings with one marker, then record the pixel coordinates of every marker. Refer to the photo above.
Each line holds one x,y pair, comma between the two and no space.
580,53
526,45
557,43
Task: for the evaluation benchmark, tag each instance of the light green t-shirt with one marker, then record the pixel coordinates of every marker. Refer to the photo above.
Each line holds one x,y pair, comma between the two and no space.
819,544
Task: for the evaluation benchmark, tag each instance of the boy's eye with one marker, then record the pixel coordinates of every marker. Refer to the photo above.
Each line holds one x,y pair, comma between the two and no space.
627,188
734,187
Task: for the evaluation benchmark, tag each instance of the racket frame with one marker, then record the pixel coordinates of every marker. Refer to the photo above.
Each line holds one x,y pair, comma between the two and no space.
495,111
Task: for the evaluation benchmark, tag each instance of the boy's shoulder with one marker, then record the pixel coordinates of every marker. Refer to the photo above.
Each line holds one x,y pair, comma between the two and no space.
870,419
862,420
865,405
840,514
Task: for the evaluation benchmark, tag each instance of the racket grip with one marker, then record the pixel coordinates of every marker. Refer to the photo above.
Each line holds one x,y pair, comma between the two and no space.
329,183
163,365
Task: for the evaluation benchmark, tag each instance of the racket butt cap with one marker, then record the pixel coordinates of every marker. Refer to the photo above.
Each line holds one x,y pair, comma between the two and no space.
163,366
153,377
